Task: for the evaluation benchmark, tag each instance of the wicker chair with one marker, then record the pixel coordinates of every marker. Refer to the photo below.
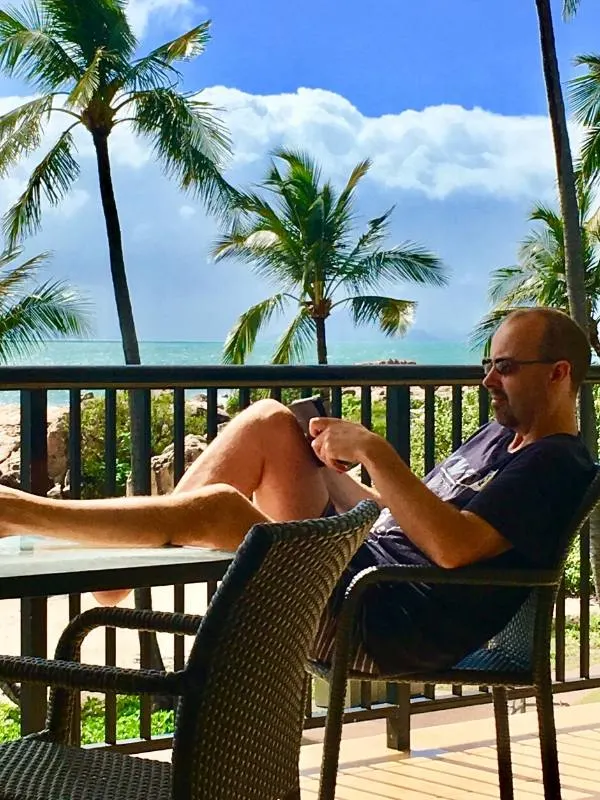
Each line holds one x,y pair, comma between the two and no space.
241,695
519,656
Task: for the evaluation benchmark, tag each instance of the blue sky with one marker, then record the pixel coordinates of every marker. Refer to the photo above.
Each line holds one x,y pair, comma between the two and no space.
447,98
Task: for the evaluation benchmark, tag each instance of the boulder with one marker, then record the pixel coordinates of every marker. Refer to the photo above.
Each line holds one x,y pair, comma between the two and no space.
162,466
10,444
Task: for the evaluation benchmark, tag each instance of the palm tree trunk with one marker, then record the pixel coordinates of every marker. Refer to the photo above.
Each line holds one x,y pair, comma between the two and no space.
131,350
575,275
115,249
321,340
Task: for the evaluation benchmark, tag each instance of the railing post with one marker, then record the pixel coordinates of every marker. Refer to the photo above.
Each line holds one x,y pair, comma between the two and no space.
398,420
34,478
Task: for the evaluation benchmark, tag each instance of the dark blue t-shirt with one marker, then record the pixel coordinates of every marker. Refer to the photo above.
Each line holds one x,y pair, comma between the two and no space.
528,496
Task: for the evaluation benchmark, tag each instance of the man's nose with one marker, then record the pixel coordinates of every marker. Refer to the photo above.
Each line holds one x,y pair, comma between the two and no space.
492,378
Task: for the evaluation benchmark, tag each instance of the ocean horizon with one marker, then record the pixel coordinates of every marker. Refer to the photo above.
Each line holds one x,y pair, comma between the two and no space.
110,353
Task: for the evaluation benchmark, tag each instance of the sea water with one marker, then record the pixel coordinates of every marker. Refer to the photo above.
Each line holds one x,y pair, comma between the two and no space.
103,353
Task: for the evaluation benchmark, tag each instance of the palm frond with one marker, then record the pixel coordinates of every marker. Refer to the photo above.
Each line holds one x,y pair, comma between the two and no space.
14,278
504,281
85,88
301,163
189,141
570,8
543,213
49,311
29,51
296,339
242,337
53,177
584,91
259,237
88,25
481,336
393,316
376,233
343,210
406,262
590,153
21,131
185,47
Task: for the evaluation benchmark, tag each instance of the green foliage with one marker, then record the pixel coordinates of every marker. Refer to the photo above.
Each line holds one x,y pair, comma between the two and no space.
93,462
10,717
92,720
443,419
128,720
539,277
31,314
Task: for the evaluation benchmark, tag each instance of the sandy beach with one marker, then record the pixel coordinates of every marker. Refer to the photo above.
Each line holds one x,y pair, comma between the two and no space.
93,648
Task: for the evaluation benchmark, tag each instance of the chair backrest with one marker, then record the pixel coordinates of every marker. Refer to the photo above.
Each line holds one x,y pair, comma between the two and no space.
524,641
239,723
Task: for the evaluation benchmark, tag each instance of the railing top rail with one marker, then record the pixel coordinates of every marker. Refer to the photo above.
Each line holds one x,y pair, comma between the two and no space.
220,376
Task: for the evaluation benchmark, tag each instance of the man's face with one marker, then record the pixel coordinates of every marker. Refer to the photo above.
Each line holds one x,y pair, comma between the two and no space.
521,395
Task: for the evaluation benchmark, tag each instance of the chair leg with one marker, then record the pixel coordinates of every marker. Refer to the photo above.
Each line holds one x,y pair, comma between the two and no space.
398,722
333,737
505,775
549,750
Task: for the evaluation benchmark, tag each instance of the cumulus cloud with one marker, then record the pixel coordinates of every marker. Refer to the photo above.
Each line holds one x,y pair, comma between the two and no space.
437,151
187,211
140,11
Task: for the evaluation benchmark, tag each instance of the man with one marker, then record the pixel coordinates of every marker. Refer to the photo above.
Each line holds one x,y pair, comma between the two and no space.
500,500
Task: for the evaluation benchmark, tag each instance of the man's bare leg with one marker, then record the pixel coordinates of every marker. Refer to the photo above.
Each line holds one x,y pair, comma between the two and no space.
262,454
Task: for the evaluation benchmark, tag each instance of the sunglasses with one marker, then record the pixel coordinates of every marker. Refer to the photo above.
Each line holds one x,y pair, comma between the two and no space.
508,366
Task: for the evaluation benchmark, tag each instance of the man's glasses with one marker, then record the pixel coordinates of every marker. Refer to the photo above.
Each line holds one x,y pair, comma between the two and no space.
508,366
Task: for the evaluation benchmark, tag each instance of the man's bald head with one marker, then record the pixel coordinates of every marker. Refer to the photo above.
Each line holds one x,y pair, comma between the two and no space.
559,338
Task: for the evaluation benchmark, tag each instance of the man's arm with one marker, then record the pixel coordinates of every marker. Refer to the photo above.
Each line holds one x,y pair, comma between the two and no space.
346,491
451,538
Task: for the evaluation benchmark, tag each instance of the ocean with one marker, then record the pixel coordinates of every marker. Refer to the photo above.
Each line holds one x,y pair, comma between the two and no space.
103,353
110,352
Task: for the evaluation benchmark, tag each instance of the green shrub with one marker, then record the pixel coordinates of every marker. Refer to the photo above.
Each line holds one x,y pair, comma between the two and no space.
93,464
92,720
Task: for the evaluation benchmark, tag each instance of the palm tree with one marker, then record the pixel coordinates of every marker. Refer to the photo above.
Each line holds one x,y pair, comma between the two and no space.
539,277
574,266
304,243
79,56
29,315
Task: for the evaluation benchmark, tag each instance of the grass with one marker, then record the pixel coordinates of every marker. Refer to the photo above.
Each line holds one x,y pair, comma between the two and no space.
572,641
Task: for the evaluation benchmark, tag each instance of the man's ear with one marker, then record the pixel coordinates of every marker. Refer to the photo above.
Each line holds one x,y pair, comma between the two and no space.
561,371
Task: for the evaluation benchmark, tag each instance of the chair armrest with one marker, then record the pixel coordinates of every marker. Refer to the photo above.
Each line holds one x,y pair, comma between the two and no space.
73,635
71,675
468,576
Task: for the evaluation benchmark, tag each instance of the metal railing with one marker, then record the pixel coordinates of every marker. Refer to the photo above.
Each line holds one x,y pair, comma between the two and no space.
411,395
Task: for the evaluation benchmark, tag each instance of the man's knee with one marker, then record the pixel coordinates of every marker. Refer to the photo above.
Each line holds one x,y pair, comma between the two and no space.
275,415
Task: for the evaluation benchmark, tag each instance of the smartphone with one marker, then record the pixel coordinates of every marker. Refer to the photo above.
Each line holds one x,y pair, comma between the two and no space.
307,408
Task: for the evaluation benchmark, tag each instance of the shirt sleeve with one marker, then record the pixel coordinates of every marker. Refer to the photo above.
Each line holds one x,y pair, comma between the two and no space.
533,498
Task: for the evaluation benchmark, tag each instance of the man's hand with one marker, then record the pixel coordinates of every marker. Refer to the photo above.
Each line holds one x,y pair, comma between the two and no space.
336,441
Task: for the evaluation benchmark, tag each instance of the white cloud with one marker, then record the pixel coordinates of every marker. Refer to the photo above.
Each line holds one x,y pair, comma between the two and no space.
140,11
437,151
187,211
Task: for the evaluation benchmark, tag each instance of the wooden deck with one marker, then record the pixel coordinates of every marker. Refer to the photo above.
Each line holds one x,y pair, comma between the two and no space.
457,761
